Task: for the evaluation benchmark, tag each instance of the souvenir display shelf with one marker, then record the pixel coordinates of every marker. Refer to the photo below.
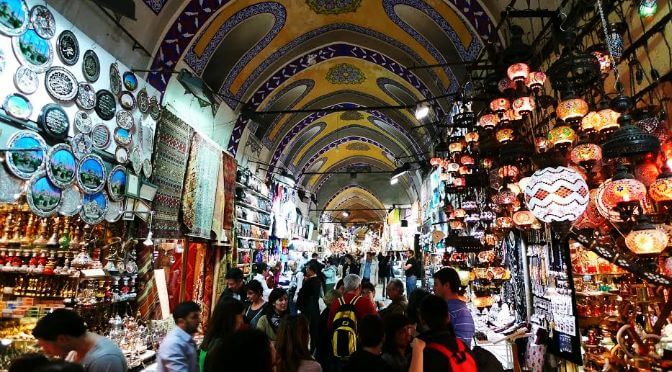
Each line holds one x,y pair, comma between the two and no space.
253,219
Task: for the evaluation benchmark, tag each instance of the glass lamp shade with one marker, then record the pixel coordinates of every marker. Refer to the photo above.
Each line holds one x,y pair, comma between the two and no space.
471,137
522,183
535,80
504,135
561,136
661,189
592,122
609,120
456,147
457,225
604,205
500,105
523,105
518,72
435,162
488,121
486,163
586,153
511,115
523,218
508,171
591,217
506,198
504,223
465,170
459,213
645,239
452,167
467,160
459,182
557,194
624,191
541,144
572,109
506,85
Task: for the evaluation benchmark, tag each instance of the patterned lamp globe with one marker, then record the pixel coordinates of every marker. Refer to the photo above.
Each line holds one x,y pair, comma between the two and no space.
586,154
506,198
523,105
536,80
467,160
661,189
523,219
504,135
591,123
646,239
518,72
508,172
561,136
591,218
456,147
471,137
500,105
505,85
572,110
608,121
624,193
504,223
557,194
488,121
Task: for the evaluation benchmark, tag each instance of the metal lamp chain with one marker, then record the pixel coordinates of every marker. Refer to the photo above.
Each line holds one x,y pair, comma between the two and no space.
603,20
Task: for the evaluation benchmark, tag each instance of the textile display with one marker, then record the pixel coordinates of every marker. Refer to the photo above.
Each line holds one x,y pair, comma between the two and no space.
208,282
148,298
199,272
220,206
190,274
200,186
170,165
230,168
174,279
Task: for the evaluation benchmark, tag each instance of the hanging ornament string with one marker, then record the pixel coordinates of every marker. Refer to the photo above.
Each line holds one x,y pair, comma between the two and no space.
617,77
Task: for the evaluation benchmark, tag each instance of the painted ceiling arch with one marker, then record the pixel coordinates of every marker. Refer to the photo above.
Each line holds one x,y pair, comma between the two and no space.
356,197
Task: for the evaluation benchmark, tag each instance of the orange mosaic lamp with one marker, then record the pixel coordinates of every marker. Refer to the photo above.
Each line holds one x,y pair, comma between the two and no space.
661,189
586,154
508,172
500,105
535,80
456,147
488,121
523,219
562,136
609,121
518,72
523,105
504,135
467,160
591,123
471,137
572,110
646,239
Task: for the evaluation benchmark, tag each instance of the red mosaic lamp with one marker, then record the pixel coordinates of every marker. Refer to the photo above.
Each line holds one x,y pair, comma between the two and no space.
488,121
523,105
624,192
518,72
500,105
646,239
661,189
535,81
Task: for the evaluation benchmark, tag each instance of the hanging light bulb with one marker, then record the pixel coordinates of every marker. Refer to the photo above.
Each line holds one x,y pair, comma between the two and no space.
518,72
421,110
648,8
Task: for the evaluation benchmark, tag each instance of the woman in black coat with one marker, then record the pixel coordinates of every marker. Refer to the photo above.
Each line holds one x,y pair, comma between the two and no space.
308,302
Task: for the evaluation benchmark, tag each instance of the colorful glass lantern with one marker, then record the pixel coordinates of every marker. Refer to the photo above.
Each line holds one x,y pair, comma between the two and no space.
522,183
647,173
557,194
661,189
504,223
592,122
452,167
609,120
646,239
523,105
471,137
457,225
541,144
518,72
500,105
508,172
510,115
488,121
604,206
486,163
591,218
506,198
504,135
456,147
467,160
586,154
561,136
523,219
605,62
572,110
435,162
505,85
535,80
465,170
624,193
459,182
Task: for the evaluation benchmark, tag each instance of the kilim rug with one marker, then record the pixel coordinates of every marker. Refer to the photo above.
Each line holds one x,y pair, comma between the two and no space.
170,164
230,167
200,185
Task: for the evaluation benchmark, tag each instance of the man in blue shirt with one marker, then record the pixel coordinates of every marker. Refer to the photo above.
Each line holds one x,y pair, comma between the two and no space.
447,286
369,269
177,352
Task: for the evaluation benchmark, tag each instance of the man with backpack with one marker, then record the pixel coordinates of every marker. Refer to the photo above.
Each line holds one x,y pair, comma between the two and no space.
344,315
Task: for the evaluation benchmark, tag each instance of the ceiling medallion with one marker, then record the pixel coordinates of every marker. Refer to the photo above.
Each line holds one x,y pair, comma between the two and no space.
67,48
91,66
345,73
61,84
43,21
26,80
333,7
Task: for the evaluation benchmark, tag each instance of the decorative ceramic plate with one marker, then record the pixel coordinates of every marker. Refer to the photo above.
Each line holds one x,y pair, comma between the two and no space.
61,165
83,122
3,61
101,136
67,47
116,183
43,197
43,21
136,160
33,51
18,106
147,168
90,66
115,79
81,145
122,137
106,104
94,208
126,100
61,84
86,96
91,174
121,155
143,101
114,212
15,19
11,188
130,81
54,121
24,164
125,120
72,202
154,108
26,80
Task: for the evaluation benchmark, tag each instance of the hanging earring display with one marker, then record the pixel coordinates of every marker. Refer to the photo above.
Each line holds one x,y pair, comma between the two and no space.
67,48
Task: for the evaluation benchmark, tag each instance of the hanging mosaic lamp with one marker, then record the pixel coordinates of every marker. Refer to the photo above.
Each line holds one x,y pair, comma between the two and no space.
456,147
557,194
562,136
661,189
572,110
541,144
471,137
523,219
511,115
504,135
629,140
523,105
486,163
506,86
591,123
614,39
467,160
452,167
518,72
624,193
506,198
646,239
608,121
536,80
488,121
508,172
648,8
586,154
504,223
500,105
591,218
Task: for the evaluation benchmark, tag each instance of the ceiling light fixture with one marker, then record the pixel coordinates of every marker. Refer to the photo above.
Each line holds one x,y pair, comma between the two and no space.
345,214
421,111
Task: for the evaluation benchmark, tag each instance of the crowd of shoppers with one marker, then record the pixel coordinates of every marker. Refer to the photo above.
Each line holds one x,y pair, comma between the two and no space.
320,324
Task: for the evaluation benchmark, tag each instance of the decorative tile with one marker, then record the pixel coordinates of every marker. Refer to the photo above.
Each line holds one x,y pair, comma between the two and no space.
334,6
345,73
155,5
